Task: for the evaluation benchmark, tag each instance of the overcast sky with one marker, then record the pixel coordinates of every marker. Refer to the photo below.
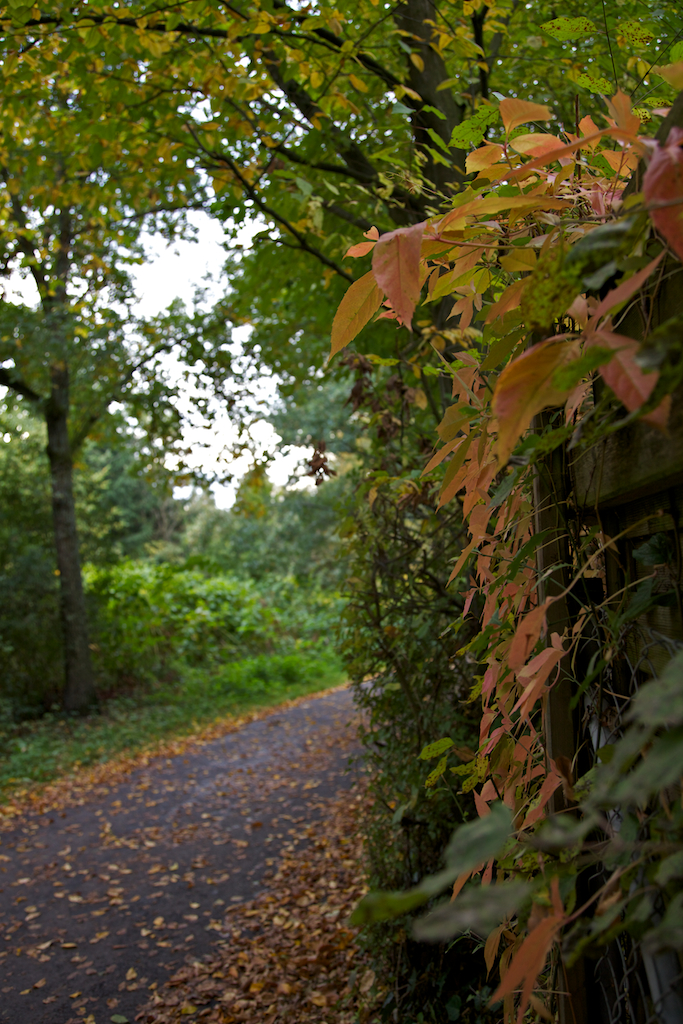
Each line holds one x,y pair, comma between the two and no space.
175,272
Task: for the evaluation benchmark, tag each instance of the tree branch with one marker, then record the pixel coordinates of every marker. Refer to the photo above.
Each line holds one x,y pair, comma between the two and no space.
17,385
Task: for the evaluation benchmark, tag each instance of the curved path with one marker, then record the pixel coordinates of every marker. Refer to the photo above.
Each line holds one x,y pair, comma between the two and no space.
101,901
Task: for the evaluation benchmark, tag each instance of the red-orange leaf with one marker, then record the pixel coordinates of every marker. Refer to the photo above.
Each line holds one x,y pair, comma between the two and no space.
396,266
623,375
530,959
357,307
528,632
663,190
626,289
526,386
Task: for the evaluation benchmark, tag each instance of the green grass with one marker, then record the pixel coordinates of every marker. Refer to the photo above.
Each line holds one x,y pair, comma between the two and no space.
43,749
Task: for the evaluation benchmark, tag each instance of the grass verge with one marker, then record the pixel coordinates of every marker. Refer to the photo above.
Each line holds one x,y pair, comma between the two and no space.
38,751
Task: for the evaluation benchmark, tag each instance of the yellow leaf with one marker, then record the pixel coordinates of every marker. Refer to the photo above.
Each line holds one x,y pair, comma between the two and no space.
420,398
417,61
317,79
358,83
359,304
671,73
518,259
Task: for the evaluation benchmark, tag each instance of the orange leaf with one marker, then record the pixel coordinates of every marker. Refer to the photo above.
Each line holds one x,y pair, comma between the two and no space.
537,672
623,375
562,151
516,112
526,635
528,963
357,307
526,386
360,249
483,157
663,190
536,144
620,109
396,266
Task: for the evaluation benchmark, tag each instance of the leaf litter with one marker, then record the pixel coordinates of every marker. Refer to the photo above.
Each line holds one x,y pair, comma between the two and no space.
183,857
289,954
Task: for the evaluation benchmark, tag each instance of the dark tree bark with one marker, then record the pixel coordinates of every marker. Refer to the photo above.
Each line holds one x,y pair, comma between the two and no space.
413,17
79,689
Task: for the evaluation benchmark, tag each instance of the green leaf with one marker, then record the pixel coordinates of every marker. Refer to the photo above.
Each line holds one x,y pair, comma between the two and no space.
659,703
670,868
472,130
471,844
656,551
479,840
526,551
567,377
118,1018
564,28
635,34
478,910
661,767
436,773
595,83
669,933
436,748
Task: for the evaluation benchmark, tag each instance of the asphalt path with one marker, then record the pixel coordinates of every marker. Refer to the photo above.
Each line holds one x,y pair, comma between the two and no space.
101,901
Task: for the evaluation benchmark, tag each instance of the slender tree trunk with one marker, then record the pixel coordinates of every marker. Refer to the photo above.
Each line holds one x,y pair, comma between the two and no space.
79,691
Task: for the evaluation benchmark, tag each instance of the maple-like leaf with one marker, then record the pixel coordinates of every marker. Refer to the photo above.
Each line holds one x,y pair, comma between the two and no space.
623,375
663,190
396,266
361,301
525,387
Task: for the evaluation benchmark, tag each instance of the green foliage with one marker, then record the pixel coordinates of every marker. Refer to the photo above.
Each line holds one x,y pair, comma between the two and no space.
38,750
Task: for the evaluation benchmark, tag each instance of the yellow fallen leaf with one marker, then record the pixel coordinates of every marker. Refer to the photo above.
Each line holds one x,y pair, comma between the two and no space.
131,973
39,984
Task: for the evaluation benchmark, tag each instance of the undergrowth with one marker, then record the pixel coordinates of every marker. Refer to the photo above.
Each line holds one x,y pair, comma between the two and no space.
37,751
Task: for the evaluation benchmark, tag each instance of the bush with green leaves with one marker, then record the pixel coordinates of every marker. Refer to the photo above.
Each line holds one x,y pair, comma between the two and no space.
151,619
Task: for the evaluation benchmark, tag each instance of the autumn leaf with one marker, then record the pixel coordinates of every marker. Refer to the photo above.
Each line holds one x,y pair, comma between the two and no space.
359,304
530,959
626,379
620,109
396,266
671,73
663,190
626,289
527,633
525,387
516,112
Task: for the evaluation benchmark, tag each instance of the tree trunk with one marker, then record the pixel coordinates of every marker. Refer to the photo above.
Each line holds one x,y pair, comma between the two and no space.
79,690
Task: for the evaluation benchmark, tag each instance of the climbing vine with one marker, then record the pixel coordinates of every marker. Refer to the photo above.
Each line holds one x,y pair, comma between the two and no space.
560,238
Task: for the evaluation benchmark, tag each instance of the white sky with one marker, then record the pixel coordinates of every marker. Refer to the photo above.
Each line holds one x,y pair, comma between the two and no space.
173,272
